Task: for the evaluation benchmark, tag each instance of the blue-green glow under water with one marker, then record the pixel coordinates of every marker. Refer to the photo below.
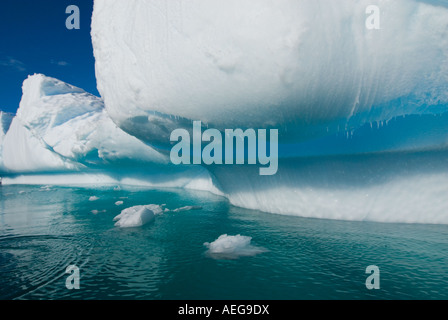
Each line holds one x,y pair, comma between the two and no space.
45,229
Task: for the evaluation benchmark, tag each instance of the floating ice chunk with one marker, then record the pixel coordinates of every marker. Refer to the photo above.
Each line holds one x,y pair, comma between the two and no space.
97,211
232,247
137,216
93,198
119,203
187,208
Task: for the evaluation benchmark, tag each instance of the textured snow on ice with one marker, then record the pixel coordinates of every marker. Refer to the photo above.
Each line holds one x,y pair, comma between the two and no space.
232,247
289,64
137,216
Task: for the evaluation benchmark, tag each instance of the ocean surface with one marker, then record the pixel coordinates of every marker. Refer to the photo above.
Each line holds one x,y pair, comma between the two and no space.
45,229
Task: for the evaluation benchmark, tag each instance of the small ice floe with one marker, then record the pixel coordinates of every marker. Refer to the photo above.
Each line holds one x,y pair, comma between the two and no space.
187,208
45,188
93,198
137,216
232,247
119,203
21,192
97,211
117,188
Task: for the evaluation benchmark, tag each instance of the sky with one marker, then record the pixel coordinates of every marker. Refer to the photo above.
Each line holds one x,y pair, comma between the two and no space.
34,39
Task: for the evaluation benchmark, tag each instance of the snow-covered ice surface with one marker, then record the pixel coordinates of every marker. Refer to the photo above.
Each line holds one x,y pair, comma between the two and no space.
232,247
305,67
137,216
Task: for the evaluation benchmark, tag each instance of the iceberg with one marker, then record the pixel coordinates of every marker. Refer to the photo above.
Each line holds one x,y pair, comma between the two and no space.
308,68
361,114
63,135
59,127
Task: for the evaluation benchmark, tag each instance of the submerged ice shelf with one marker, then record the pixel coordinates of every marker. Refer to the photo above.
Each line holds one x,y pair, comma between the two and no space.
362,116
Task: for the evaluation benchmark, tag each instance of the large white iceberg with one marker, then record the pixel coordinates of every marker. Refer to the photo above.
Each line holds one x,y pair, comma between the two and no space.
361,113
305,67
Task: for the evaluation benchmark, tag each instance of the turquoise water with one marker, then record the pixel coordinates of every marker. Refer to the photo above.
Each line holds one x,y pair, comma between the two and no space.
45,229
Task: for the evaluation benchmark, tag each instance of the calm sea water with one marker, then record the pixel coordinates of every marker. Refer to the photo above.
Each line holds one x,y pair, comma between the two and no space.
45,229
